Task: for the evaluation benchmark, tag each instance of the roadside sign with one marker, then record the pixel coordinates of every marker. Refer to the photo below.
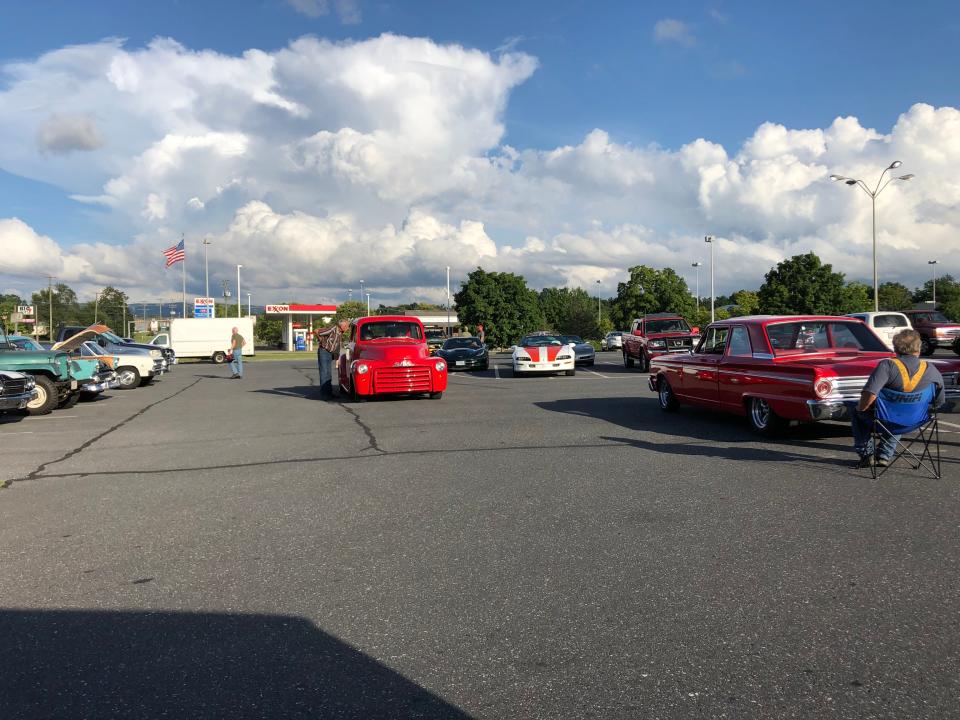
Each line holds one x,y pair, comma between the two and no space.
25,309
16,317
277,308
203,307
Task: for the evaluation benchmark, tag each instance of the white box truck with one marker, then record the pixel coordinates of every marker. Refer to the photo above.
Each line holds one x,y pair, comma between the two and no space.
205,337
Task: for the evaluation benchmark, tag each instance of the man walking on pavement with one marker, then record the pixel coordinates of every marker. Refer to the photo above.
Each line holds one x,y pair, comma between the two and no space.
328,350
236,349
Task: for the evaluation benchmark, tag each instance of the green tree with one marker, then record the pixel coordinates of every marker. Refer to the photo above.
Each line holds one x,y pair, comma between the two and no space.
110,310
349,310
267,331
894,296
580,315
747,302
8,305
651,291
856,297
66,308
803,285
502,303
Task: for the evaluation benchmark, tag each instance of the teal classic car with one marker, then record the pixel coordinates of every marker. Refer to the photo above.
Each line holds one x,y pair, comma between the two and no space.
58,378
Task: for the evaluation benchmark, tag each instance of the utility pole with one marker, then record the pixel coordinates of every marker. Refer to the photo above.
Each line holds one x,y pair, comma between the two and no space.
599,318
448,301
50,279
238,289
710,239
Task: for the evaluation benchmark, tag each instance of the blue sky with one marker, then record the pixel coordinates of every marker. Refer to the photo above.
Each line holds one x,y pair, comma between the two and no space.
720,71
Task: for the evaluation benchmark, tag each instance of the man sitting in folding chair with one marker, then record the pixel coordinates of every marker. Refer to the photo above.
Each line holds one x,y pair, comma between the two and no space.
876,436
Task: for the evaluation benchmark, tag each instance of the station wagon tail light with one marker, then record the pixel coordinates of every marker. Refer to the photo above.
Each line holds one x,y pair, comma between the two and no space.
440,366
823,387
362,368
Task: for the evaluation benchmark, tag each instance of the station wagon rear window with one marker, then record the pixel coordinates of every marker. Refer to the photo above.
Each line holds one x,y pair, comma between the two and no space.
791,338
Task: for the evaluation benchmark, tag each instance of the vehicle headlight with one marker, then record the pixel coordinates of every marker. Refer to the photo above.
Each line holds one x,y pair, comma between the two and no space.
362,368
523,358
440,365
658,343
942,332
564,357
156,354
31,382
823,387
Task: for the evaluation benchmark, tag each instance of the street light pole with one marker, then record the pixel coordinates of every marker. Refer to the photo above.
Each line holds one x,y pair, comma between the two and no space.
238,289
697,266
710,239
448,301
599,317
368,304
361,291
206,267
934,264
873,203
248,305
96,307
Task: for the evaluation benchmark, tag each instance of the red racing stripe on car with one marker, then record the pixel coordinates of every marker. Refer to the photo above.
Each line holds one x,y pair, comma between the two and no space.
552,351
534,353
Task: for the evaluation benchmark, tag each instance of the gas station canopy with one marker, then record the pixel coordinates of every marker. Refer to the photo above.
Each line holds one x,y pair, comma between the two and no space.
288,312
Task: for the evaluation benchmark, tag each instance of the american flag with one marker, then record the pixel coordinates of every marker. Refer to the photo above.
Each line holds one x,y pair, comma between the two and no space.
175,254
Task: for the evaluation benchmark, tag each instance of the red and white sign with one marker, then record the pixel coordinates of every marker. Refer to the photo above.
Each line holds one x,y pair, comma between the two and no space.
25,310
300,308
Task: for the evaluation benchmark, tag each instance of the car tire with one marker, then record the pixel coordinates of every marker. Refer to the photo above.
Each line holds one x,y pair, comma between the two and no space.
144,381
129,377
926,349
627,360
644,363
668,401
436,395
218,358
69,401
46,399
956,347
763,420
570,373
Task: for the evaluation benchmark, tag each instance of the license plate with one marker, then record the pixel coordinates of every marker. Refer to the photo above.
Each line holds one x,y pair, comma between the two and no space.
73,384
461,362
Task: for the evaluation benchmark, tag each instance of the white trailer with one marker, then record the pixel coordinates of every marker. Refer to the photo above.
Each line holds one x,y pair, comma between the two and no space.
205,337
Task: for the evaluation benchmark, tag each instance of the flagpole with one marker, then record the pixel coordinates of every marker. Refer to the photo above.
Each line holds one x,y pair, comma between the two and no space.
184,269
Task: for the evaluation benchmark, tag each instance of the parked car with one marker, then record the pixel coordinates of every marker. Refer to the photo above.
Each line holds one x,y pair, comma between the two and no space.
388,355
775,370
612,341
106,378
654,335
105,337
543,353
884,324
22,342
936,330
134,366
16,390
584,353
204,337
464,353
435,340
57,378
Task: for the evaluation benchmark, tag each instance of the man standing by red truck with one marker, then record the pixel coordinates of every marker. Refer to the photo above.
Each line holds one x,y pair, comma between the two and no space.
328,350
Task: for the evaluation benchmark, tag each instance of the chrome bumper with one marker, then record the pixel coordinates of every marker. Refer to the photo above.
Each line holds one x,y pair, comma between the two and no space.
830,409
108,383
18,401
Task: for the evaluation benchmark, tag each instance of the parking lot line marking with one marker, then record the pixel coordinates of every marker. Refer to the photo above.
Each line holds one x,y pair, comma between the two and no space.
594,372
19,432
496,370
52,417
944,422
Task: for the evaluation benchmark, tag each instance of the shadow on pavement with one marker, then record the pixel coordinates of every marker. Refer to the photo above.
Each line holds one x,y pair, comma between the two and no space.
311,392
89,664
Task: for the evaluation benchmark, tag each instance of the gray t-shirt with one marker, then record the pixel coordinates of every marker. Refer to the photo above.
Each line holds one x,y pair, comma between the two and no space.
887,375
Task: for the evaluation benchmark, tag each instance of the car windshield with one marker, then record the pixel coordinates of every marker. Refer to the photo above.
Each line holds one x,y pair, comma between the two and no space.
939,317
668,325
116,339
614,334
390,330
574,339
791,338
24,344
540,340
458,343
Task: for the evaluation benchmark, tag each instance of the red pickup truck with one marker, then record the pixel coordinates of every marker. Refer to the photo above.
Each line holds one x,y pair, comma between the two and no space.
935,330
654,335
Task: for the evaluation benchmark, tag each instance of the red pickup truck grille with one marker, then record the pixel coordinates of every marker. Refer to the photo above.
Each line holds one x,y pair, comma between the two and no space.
402,379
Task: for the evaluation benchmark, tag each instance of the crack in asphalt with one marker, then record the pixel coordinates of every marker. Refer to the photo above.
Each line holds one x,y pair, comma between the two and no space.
83,446
367,430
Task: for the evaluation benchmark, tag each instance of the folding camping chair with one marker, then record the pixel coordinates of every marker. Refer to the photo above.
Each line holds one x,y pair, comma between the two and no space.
909,414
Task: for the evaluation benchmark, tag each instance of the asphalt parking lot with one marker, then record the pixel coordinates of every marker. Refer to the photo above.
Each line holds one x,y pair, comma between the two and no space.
521,548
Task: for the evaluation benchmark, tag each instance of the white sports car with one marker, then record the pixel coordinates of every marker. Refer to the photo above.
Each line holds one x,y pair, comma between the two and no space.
543,354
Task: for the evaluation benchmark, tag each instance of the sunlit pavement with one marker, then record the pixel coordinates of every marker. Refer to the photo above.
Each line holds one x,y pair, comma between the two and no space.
523,547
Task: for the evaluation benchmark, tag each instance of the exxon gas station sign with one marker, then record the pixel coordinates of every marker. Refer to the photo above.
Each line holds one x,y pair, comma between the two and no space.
203,307
300,308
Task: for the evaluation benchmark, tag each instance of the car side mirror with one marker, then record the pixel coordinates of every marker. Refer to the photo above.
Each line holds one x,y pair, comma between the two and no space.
695,330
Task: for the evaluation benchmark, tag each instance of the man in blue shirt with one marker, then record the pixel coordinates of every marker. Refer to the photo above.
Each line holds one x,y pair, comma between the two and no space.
905,373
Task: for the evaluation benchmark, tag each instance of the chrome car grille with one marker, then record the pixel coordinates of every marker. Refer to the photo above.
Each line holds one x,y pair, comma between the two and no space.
402,379
14,386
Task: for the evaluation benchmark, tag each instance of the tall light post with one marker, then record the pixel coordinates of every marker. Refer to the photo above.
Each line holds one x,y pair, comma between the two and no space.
933,263
361,291
96,307
710,239
448,301
206,267
873,204
349,294
238,289
248,305
697,266
368,304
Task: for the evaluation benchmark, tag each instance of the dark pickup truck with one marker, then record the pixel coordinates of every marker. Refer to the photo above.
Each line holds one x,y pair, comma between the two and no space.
935,330
654,335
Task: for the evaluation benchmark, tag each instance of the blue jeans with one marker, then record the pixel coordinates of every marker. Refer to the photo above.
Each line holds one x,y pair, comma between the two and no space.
236,365
325,361
862,424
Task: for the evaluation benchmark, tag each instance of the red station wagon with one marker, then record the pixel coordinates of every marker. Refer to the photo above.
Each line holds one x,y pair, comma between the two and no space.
388,355
777,369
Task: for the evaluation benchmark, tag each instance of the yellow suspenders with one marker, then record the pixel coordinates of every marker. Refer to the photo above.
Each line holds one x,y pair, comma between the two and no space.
909,383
